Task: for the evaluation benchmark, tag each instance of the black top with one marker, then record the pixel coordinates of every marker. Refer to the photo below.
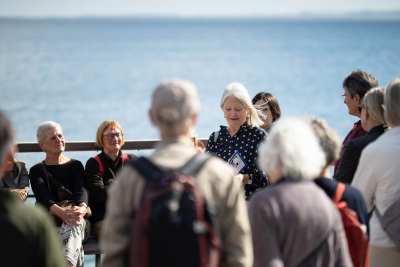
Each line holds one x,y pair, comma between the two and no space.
246,141
352,196
97,185
71,175
352,153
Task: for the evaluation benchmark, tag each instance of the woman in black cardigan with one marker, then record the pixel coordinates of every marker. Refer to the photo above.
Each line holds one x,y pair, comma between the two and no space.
101,170
372,121
73,228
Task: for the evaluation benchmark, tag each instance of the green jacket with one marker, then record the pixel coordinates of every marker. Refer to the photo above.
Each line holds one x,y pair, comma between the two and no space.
27,235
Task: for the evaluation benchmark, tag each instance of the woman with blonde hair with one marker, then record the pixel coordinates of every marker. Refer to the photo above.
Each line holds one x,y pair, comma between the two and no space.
101,170
373,122
238,143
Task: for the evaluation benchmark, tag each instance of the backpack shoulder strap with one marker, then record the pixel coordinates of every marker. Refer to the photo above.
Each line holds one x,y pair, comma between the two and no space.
193,166
125,157
216,133
339,192
97,158
147,169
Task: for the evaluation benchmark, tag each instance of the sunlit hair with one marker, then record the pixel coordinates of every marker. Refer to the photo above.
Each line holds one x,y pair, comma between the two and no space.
375,102
359,82
44,127
292,150
239,91
392,105
328,139
103,127
271,102
7,135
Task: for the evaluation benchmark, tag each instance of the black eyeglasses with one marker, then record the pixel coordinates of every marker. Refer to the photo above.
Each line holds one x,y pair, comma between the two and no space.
111,136
360,107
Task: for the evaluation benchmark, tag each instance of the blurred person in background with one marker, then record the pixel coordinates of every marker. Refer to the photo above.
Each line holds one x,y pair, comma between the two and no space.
293,222
330,144
377,177
59,179
101,170
373,122
174,111
353,211
242,134
16,180
267,104
355,86
27,234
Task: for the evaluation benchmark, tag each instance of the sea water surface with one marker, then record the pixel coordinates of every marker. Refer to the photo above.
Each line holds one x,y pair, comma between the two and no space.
80,72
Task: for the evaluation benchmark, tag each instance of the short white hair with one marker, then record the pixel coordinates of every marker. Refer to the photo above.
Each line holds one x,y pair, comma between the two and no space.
239,91
44,127
292,150
392,104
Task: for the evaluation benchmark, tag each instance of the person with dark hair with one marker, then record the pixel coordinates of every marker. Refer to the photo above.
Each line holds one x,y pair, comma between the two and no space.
269,106
355,86
27,234
372,121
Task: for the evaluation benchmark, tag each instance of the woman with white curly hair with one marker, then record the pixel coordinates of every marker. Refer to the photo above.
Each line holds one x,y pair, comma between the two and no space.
293,222
238,143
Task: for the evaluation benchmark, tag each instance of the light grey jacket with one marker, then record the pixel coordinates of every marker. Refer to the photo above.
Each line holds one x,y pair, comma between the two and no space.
17,178
221,191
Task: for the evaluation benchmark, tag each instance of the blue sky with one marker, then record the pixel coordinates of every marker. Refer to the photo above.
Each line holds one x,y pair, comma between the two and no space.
188,8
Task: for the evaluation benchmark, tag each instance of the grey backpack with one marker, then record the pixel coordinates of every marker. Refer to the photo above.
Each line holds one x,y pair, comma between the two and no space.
390,221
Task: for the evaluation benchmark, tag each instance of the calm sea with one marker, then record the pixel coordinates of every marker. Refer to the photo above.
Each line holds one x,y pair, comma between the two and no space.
80,72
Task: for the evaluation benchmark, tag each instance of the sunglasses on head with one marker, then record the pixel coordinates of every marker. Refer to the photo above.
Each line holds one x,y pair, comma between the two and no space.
360,107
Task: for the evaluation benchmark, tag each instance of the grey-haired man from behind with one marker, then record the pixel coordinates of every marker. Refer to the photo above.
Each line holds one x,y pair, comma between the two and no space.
174,111
27,235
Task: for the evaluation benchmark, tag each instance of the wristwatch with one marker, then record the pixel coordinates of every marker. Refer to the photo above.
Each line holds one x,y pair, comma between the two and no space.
84,204
250,181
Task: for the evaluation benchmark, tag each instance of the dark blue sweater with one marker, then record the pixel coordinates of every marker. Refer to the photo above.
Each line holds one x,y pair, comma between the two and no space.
352,196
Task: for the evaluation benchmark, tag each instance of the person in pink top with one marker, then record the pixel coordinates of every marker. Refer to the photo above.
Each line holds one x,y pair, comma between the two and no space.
355,86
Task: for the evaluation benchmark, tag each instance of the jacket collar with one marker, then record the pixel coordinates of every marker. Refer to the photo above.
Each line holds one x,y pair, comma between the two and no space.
376,129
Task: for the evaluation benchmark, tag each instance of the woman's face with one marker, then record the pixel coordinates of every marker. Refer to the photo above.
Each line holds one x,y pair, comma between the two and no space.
54,141
112,139
268,121
235,112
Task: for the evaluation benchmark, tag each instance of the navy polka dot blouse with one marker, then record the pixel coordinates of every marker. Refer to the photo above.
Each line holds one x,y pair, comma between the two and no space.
246,141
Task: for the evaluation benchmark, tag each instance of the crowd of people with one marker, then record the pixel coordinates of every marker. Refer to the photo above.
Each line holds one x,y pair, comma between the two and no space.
269,198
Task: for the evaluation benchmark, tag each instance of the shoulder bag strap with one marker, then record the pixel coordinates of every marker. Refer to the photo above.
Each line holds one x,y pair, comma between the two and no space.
42,166
339,192
148,170
57,183
97,158
194,165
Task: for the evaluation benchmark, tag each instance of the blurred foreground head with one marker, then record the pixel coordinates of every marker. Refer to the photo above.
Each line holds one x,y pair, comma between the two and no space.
7,134
328,139
175,107
292,151
392,104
